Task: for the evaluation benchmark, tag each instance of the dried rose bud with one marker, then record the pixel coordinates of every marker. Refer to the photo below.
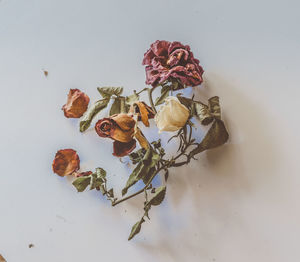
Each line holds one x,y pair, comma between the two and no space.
66,162
76,105
121,128
118,127
143,111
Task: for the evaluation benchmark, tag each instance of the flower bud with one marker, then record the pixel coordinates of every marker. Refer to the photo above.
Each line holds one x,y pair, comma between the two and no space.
172,115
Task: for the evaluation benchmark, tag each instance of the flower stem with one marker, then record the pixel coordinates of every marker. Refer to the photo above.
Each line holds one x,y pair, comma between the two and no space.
150,90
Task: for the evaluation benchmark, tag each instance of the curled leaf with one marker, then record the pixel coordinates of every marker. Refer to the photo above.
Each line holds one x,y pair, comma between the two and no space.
141,138
214,107
91,113
203,113
107,92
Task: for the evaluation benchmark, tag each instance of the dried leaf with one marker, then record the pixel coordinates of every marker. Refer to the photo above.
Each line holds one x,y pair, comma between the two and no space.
132,99
136,229
216,136
165,91
203,113
46,73
91,113
141,138
149,161
158,196
214,106
107,92
2,258
81,183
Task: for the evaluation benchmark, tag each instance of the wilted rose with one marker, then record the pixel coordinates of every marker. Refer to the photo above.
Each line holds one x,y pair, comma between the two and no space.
172,60
66,162
172,115
120,128
76,105
143,111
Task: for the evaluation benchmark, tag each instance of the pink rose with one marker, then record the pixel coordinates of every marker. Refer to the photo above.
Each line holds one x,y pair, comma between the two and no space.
168,61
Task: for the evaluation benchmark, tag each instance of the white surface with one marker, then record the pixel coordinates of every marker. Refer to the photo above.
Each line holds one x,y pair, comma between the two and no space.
236,203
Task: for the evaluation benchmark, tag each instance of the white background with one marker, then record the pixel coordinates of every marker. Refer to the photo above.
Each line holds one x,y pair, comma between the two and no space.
238,203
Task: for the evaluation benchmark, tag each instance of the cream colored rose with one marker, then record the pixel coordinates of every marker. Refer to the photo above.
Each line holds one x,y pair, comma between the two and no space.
172,115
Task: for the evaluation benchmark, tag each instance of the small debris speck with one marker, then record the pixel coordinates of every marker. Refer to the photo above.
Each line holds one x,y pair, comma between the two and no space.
31,245
45,73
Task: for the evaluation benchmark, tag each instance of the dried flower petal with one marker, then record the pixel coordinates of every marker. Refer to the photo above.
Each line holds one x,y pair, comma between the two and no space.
86,173
76,105
66,161
143,111
123,149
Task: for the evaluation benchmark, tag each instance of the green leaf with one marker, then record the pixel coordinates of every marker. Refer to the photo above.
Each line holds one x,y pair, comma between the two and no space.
136,229
107,92
149,161
216,136
158,196
91,113
165,91
81,183
132,99
203,113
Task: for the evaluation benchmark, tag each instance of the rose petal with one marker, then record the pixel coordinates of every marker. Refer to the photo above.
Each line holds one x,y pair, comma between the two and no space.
141,138
123,149
66,161
86,173
143,111
76,105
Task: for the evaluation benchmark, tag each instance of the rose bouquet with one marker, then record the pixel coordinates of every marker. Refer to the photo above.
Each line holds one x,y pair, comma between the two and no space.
170,66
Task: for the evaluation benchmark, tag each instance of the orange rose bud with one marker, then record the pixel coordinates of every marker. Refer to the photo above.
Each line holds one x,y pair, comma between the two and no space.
118,127
143,111
76,105
66,162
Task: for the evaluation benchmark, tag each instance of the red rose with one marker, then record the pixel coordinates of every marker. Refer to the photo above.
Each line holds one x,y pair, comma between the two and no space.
168,61
66,162
76,105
